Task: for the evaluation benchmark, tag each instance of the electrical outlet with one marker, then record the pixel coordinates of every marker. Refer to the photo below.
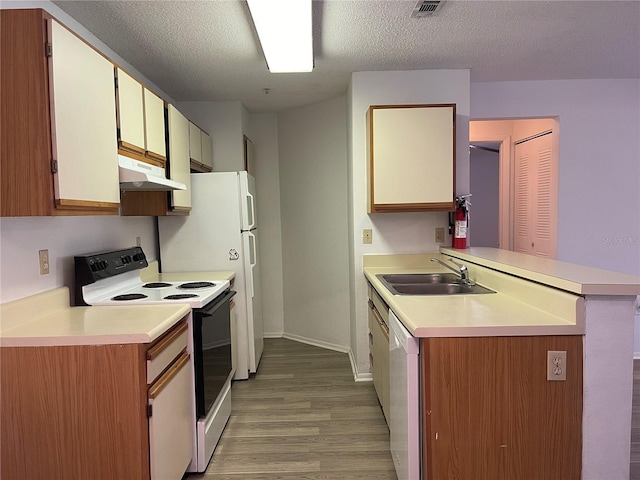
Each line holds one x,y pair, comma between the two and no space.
138,243
44,261
556,365
440,235
367,235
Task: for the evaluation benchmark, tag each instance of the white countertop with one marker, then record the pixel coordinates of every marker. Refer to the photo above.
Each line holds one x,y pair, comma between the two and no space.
46,319
151,274
566,276
518,308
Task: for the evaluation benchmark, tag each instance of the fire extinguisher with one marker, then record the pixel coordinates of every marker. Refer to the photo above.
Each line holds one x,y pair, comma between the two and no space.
460,222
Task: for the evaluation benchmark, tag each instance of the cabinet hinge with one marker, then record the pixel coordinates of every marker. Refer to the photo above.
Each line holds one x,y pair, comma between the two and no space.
149,410
48,50
54,166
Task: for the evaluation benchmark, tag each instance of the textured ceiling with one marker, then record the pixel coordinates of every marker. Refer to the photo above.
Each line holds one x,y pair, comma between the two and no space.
208,50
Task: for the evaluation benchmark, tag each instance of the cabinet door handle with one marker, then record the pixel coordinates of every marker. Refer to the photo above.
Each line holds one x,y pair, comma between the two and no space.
164,380
165,341
380,321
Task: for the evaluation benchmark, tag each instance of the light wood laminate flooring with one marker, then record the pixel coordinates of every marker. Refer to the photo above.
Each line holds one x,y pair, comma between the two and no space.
303,417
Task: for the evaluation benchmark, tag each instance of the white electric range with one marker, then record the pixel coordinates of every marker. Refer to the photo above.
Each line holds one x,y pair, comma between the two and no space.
113,278
127,288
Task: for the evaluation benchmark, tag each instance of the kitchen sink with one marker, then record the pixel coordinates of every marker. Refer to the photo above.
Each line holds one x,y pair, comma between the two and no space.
429,284
406,278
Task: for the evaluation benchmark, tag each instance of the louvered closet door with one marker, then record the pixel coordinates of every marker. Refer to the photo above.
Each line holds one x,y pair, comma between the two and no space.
544,192
522,205
535,197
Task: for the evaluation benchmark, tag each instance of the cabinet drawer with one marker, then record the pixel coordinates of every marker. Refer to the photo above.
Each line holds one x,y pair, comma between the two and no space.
379,304
161,354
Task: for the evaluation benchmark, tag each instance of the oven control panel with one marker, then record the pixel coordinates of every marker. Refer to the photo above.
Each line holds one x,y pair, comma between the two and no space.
97,266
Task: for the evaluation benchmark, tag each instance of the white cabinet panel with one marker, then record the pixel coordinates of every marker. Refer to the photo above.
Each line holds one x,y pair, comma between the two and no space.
171,424
84,121
130,112
207,151
412,157
154,125
179,163
195,143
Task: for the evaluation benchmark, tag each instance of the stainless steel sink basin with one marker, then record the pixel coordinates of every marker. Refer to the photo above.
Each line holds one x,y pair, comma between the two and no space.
406,278
429,284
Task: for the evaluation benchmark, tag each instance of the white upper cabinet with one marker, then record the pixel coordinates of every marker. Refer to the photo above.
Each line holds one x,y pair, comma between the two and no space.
83,115
141,126
195,143
207,151
411,150
200,149
155,139
130,113
179,162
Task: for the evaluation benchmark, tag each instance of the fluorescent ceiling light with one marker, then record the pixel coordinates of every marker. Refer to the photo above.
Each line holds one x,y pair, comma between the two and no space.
284,29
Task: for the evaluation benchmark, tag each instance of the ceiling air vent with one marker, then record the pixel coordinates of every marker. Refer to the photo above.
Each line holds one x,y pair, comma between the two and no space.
426,8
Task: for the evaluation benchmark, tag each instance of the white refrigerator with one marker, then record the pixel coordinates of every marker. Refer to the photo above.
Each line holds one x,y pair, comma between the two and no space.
220,233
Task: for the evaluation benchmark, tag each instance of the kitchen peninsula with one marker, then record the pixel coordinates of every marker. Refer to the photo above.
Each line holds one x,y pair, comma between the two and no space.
494,347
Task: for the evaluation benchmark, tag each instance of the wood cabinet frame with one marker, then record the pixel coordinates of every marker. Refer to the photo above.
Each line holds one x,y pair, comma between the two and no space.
27,180
79,411
488,410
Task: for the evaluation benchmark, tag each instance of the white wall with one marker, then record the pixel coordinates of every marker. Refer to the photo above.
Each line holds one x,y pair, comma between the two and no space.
64,237
599,162
263,128
313,204
485,204
21,238
396,232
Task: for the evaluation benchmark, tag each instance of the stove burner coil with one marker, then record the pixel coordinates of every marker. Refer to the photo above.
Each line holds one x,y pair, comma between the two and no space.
197,285
180,296
156,285
129,296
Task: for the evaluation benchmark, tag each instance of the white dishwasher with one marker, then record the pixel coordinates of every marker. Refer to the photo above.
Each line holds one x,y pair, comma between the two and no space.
404,413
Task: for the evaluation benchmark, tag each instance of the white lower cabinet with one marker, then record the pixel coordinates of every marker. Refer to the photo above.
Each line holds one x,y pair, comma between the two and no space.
171,422
379,349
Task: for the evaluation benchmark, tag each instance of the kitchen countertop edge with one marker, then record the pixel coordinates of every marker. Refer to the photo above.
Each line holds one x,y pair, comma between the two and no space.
495,314
25,324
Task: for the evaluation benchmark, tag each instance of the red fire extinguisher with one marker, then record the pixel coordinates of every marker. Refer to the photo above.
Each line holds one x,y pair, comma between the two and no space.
460,223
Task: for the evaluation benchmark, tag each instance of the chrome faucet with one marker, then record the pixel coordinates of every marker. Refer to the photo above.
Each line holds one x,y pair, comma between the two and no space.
462,270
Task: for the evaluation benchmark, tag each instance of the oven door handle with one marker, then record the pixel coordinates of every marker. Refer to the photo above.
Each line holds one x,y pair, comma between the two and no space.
219,301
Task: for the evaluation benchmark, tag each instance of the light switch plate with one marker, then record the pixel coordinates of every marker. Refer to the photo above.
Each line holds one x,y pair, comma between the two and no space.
44,261
367,236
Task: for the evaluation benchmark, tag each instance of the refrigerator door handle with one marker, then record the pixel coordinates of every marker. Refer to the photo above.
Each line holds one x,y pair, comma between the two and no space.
252,258
251,211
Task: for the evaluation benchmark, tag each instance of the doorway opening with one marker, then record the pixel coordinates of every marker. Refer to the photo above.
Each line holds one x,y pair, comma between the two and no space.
527,184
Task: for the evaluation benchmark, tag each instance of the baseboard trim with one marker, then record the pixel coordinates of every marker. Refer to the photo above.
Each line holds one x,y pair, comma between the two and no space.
357,376
272,335
316,343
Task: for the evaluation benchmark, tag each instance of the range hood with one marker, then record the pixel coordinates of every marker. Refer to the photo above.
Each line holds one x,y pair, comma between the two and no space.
136,175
